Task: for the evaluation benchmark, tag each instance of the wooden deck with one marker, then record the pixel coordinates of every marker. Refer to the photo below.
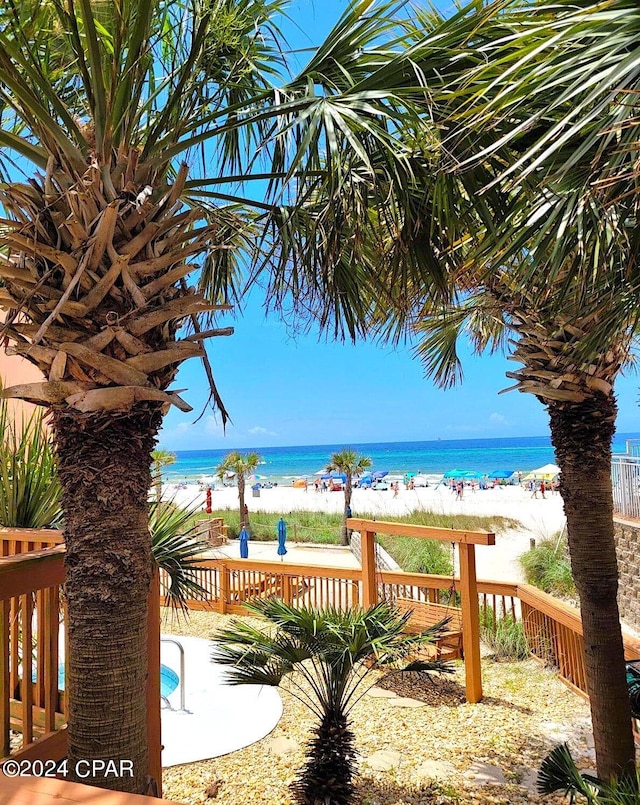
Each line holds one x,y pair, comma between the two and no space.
42,791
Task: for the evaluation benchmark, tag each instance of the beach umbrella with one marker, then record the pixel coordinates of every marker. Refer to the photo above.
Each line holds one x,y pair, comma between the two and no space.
455,474
546,473
282,536
501,474
378,474
244,543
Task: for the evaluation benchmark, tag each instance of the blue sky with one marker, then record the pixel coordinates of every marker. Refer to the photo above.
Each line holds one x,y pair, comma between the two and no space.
283,390
286,389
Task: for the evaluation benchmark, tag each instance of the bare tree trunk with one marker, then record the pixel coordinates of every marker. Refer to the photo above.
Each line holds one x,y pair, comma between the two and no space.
582,435
104,466
347,509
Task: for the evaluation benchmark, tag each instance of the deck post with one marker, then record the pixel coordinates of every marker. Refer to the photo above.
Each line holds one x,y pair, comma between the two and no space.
5,694
287,590
154,730
224,574
368,559
470,622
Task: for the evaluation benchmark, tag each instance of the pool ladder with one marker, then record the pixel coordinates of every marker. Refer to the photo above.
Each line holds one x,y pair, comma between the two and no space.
177,643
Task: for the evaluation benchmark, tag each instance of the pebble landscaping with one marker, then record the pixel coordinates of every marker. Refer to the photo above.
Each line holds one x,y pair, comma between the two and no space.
419,742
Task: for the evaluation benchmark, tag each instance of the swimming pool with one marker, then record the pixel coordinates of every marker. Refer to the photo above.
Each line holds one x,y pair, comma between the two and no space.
169,680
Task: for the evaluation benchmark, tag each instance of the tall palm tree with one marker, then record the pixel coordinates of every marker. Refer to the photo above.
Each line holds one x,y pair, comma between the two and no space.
241,465
112,105
541,262
350,463
326,657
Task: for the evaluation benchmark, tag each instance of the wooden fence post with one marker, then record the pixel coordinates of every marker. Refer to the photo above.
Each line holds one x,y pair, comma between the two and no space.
368,559
224,588
287,589
154,728
470,622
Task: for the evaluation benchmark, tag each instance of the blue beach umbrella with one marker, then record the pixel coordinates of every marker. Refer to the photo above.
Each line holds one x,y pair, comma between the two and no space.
378,474
282,536
244,543
501,474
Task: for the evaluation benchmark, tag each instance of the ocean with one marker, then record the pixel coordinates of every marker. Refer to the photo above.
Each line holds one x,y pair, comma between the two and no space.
283,464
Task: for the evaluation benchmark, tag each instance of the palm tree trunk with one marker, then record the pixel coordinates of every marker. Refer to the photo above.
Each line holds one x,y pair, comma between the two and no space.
347,508
326,778
244,511
582,434
104,467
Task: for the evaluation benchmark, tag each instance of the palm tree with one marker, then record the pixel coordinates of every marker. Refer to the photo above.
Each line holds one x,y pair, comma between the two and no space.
112,104
540,262
349,463
241,466
160,459
326,657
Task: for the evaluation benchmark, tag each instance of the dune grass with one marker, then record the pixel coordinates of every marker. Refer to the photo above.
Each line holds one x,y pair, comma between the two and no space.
413,556
547,567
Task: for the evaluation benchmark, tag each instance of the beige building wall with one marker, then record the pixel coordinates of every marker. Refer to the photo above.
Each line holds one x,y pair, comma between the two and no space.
15,370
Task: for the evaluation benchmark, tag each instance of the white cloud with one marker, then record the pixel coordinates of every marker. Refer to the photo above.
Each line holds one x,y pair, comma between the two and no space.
213,426
258,430
498,419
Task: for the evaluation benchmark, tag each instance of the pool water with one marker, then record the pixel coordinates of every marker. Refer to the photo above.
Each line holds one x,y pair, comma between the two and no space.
169,680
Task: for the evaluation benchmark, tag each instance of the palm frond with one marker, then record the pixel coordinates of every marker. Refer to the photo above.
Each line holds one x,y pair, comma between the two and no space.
176,548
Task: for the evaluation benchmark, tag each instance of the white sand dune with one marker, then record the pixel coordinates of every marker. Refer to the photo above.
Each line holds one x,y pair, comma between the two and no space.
538,518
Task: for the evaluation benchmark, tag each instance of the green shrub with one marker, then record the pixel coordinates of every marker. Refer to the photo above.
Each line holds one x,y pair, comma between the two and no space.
504,635
547,567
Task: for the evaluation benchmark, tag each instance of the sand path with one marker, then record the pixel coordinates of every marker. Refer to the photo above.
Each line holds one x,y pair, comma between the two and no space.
538,518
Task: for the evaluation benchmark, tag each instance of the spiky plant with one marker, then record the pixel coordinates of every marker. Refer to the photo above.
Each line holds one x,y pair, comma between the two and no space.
558,772
326,657
30,492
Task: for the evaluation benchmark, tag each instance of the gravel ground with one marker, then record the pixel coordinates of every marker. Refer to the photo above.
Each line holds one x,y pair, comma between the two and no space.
525,711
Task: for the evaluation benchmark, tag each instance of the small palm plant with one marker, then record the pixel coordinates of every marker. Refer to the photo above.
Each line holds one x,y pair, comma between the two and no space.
326,657
559,772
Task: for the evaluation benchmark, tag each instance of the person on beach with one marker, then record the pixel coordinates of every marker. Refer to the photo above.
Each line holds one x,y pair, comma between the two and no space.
396,489
459,490
542,488
534,489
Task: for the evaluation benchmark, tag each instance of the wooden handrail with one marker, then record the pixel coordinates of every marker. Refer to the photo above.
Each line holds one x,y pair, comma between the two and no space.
422,531
36,570
266,566
51,535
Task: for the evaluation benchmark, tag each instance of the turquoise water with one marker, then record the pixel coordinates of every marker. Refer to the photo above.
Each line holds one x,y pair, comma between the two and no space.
282,464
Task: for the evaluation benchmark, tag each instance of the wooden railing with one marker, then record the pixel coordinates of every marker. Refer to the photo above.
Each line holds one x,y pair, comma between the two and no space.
553,628
14,541
31,576
31,702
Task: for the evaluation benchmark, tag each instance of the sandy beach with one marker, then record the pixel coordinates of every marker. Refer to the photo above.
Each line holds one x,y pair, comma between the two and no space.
539,517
